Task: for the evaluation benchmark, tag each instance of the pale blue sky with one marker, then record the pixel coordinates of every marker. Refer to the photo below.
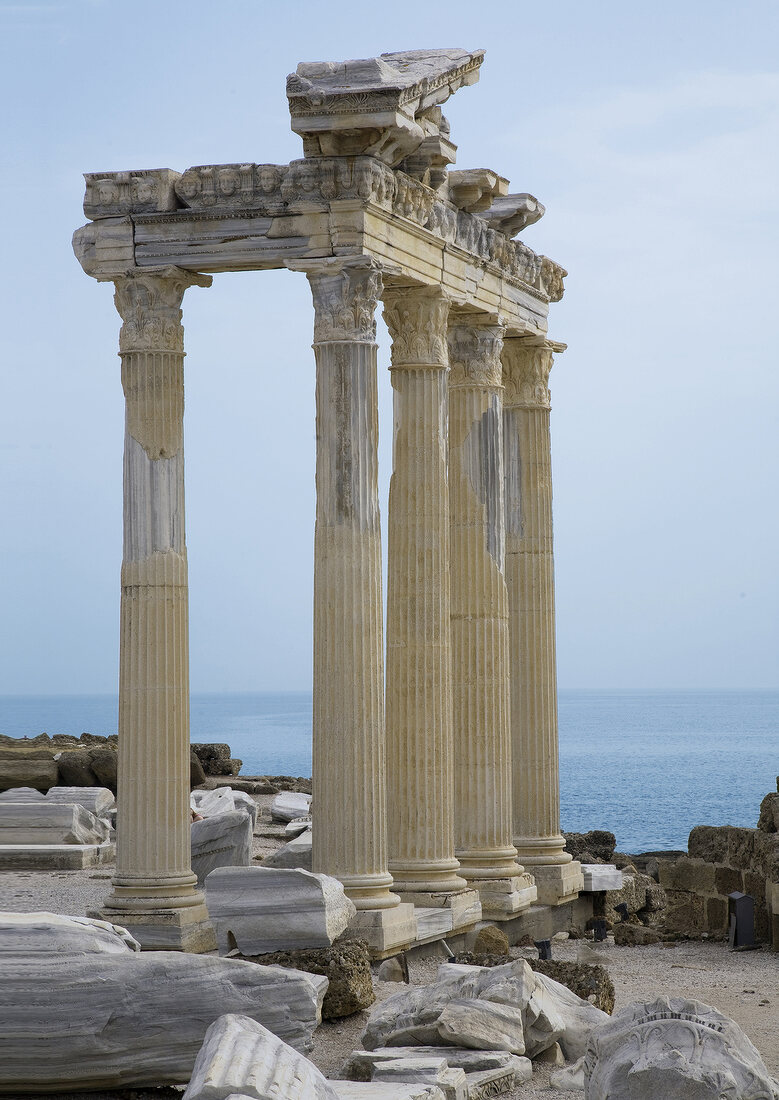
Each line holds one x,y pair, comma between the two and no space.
649,131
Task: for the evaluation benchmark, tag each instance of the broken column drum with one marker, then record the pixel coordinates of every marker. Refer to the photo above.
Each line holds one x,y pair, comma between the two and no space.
372,211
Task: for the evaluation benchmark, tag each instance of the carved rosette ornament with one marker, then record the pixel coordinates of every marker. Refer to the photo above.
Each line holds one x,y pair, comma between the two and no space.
526,375
345,298
416,319
474,355
151,346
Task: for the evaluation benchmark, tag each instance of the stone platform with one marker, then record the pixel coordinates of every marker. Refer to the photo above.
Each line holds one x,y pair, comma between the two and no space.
55,857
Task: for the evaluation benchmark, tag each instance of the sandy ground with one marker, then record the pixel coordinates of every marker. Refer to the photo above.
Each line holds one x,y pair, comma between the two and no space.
743,985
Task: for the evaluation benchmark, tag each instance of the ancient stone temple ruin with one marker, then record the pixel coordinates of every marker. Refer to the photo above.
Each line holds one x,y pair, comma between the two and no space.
440,789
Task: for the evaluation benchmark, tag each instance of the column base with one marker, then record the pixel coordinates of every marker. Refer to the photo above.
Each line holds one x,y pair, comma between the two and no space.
465,905
426,879
386,931
504,898
186,929
557,883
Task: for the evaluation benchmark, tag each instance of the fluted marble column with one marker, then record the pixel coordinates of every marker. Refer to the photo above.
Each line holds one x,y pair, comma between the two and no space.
349,799
530,578
480,623
154,889
419,704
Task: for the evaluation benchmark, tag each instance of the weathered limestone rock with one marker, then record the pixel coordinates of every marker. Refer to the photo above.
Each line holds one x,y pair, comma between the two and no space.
346,965
34,823
768,821
287,805
589,982
99,1015
489,940
224,840
240,1057
675,1049
27,768
634,935
480,623
419,704
214,757
530,582
262,909
75,768
600,843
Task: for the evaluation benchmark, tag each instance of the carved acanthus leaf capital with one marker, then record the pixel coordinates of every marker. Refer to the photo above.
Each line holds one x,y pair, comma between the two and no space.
149,303
416,318
526,370
474,355
345,297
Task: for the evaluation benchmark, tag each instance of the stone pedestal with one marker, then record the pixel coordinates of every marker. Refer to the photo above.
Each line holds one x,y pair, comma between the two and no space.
154,892
530,581
349,796
419,707
480,626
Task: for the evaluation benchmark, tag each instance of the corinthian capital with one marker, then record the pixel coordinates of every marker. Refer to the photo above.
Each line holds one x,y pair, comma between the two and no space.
149,303
526,370
416,319
474,354
345,295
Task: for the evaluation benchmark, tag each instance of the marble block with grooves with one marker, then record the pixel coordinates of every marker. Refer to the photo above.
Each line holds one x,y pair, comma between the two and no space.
264,909
100,801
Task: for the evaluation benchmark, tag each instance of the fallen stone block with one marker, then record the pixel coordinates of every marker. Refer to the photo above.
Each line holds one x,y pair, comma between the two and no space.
223,800
100,801
24,933
482,1025
424,1071
634,935
288,805
601,876
22,794
673,1047
346,965
241,1057
384,1090
221,841
296,854
33,823
298,826
262,909
110,1020
487,1072
75,767
55,857
578,1016
589,982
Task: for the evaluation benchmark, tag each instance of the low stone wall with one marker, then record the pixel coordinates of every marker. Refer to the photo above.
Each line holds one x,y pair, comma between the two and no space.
721,860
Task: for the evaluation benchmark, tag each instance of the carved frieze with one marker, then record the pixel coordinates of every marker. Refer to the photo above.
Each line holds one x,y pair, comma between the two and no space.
110,194
416,319
345,297
526,370
474,355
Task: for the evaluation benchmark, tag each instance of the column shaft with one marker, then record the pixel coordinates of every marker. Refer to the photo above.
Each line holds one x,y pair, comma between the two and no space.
349,801
419,704
530,577
480,626
154,888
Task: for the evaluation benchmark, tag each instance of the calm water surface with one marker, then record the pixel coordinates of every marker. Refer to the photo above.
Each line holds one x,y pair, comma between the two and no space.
647,765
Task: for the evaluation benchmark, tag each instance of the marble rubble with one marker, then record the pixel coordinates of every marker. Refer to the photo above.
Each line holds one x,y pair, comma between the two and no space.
242,1060
447,797
99,1014
224,840
289,806
222,800
263,909
296,853
486,1072
98,800
601,876
677,1049
42,833
508,1007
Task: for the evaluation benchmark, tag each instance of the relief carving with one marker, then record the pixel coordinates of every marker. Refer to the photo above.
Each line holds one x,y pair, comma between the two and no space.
416,319
345,298
526,370
474,355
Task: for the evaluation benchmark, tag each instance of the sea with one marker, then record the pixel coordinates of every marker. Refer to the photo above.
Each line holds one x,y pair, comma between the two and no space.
646,765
